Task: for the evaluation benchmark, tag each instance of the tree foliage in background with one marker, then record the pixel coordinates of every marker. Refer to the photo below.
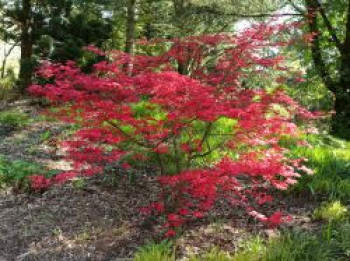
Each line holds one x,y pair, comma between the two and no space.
329,21
57,30
52,29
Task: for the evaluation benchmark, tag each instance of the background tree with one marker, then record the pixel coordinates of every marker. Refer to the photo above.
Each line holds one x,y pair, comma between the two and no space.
329,22
53,29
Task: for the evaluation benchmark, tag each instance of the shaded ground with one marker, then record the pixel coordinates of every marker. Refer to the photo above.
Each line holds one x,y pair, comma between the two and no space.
65,223
96,222
100,223
37,141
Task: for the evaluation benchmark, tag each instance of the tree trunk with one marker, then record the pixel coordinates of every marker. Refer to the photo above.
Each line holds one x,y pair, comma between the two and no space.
3,67
130,33
26,64
341,120
340,87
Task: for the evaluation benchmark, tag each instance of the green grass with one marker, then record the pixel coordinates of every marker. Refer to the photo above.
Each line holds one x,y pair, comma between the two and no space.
156,252
330,160
7,86
332,211
15,173
332,244
295,246
214,255
14,118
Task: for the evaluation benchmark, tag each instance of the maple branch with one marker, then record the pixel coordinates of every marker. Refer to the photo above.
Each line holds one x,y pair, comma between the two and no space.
209,151
129,136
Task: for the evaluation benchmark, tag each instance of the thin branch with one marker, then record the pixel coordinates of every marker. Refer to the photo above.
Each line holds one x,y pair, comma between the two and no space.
128,135
209,151
176,155
259,15
11,49
222,134
160,162
329,26
298,9
316,47
206,133
7,54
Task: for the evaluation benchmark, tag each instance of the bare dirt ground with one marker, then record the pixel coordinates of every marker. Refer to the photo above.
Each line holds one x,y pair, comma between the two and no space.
100,222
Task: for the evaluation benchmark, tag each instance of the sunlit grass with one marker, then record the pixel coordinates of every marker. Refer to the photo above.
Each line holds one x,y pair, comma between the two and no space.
156,252
332,243
333,211
330,160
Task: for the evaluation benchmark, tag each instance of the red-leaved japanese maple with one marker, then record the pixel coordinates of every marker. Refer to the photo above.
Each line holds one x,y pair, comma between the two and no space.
188,111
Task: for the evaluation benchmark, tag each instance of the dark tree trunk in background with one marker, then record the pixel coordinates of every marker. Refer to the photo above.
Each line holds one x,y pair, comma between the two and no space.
179,6
130,32
340,86
341,121
26,64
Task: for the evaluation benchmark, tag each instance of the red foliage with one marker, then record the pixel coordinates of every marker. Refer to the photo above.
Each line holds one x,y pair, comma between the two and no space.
170,233
173,108
39,182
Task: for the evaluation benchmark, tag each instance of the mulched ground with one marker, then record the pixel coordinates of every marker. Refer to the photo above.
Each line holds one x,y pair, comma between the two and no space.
99,222
28,143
